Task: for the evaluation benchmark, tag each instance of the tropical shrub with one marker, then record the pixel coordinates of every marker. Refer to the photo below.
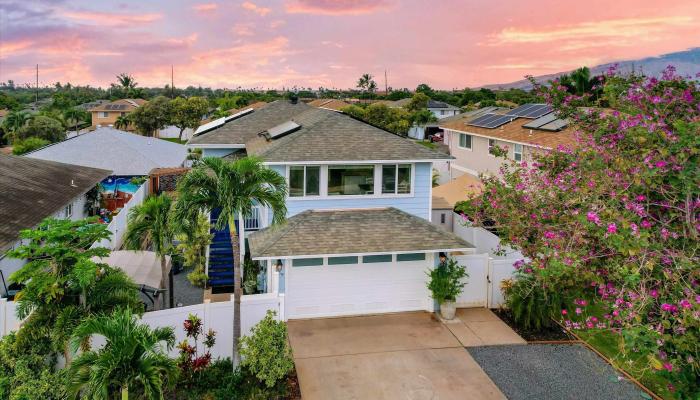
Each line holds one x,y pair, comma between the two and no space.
191,362
22,146
616,215
534,306
43,127
266,352
447,280
27,370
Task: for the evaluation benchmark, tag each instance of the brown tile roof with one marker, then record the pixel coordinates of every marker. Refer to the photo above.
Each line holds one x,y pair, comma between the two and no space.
447,195
360,231
123,105
31,190
330,104
513,132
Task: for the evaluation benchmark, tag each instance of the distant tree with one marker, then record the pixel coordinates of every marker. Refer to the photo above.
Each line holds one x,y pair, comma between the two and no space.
126,81
425,89
419,101
398,94
43,127
8,102
188,113
230,102
152,116
23,146
122,121
76,116
367,84
422,117
15,120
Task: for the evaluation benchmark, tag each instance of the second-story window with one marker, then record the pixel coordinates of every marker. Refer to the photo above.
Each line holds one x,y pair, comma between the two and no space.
396,179
518,152
492,146
349,180
465,141
304,180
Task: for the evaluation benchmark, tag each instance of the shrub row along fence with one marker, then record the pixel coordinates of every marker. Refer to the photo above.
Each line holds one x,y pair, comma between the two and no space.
215,316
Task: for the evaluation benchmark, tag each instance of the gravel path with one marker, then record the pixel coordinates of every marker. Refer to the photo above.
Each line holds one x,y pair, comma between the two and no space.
185,293
547,371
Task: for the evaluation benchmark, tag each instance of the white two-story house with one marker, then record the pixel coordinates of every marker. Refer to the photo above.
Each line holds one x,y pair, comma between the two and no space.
522,131
358,237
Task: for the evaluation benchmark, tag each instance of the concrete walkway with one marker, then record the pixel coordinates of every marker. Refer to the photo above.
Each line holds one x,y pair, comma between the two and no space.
480,327
393,356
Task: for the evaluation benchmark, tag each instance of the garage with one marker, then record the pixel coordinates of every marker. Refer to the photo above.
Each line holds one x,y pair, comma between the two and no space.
353,262
354,285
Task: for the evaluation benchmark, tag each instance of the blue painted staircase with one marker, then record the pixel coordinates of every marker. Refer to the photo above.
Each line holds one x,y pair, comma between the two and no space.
221,259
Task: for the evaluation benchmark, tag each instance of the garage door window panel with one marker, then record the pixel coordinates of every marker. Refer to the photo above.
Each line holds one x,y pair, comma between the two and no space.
307,262
342,260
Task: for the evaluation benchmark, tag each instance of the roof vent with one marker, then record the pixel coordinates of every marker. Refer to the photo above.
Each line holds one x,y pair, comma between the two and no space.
72,183
293,98
280,130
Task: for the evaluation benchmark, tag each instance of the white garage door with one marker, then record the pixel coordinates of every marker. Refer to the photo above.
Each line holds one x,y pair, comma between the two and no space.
361,288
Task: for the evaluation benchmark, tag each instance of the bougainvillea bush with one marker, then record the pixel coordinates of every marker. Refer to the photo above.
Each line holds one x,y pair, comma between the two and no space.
611,225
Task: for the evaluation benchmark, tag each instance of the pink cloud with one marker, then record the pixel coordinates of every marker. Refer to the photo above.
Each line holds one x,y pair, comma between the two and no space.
111,19
262,11
243,29
336,7
205,7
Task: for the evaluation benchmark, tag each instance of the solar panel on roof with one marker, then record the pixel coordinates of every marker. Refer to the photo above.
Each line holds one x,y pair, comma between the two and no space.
491,121
239,114
531,110
281,129
556,125
210,125
534,124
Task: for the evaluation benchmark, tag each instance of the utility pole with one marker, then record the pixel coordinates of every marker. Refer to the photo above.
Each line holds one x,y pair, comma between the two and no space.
386,85
172,81
36,97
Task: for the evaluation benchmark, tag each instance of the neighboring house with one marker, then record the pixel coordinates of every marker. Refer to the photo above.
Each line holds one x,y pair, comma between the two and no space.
440,109
329,104
358,238
32,190
92,104
124,153
106,114
522,131
446,196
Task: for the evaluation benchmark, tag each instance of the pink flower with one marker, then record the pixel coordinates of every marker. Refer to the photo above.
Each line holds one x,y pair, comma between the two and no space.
654,293
593,217
612,228
578,310
685,303
668,366
549,235
646,224
564,312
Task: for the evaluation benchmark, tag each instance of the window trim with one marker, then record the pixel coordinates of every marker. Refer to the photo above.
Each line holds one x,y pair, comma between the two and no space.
304,195
103,114
377,182
68,210
396,178
521,152
489,147
471,141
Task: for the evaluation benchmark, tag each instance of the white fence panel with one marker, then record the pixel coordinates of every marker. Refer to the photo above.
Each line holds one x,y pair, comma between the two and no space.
483,240
8,317
475,291
118,224
499,271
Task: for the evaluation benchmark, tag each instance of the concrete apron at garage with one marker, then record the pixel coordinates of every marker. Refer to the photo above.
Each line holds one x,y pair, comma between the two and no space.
404,355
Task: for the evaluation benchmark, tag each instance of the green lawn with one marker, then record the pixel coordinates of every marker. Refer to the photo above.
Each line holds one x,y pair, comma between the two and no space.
175,140
427,144
637,365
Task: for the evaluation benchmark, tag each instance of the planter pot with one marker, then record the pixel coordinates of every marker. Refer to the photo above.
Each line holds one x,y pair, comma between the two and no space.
448,309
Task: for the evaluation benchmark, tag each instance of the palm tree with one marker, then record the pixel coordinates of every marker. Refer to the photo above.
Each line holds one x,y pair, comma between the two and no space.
235,188
581,80
15,120
126,81
131,359
76,116
149,227
122,122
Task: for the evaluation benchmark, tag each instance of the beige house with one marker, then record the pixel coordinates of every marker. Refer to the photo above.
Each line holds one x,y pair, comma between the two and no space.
471,142
105,115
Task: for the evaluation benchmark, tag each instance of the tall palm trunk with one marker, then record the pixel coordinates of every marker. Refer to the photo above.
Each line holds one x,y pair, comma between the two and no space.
235,239
163,272
125,392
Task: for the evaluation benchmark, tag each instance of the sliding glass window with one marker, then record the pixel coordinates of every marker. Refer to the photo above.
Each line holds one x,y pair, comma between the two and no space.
304,180
396,179
349,180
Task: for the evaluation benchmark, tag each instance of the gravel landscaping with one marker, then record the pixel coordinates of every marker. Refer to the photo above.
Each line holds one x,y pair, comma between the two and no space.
547,371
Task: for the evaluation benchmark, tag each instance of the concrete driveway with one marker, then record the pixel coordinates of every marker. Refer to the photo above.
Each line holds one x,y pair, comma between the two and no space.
394,356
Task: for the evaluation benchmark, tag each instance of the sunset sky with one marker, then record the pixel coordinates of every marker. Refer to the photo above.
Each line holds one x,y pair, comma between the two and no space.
326,43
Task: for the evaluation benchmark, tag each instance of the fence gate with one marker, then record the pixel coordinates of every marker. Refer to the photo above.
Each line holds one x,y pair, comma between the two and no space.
475,293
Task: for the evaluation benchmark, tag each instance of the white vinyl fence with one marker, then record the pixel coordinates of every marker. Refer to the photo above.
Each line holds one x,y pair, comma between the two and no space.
216,316
486,269
118,224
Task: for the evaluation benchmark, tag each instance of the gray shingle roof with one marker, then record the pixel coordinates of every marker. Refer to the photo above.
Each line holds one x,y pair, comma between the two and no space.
324,136
242,129
122,152
31,190
385,230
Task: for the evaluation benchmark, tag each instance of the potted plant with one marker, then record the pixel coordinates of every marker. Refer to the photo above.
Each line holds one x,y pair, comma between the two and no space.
446,284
